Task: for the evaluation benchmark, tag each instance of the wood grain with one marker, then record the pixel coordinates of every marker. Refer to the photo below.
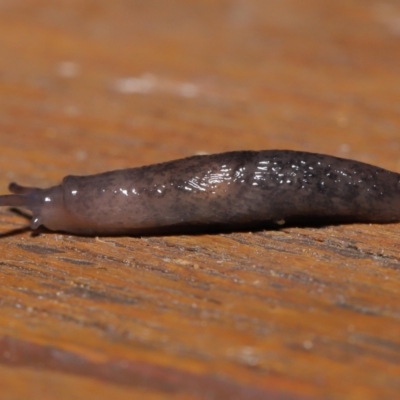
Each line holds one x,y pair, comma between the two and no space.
296,313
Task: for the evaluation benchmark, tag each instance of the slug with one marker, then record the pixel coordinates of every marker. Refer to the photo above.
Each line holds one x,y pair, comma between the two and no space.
233,189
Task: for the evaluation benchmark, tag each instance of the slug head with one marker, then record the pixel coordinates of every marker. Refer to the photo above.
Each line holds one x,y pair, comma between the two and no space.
46,205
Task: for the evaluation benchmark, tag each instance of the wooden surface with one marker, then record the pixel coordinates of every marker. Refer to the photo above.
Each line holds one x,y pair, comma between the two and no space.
298,313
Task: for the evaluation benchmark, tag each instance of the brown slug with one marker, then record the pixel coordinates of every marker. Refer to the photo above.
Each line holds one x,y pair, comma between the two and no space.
232,189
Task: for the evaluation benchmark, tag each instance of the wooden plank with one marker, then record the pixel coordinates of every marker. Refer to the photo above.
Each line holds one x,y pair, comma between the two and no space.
295,313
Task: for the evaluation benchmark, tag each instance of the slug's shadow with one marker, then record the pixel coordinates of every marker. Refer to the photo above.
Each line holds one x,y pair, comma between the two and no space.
14,232
317,222
215,229
17,231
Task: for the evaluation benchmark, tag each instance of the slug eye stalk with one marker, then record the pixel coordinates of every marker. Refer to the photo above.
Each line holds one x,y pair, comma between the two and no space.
26,197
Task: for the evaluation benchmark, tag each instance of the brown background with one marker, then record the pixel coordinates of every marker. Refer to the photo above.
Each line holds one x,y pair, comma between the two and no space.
88,86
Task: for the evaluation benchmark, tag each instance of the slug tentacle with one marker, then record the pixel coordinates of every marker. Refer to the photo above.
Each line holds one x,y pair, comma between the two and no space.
228,189
18,189
25,197
14,200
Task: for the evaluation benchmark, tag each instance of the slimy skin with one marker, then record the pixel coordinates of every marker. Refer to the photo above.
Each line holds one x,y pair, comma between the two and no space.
232,189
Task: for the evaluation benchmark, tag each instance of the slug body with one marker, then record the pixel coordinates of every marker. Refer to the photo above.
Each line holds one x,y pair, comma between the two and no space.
228,189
